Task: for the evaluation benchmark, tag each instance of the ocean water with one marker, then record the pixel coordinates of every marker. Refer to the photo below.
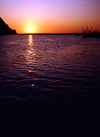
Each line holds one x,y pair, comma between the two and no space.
49,84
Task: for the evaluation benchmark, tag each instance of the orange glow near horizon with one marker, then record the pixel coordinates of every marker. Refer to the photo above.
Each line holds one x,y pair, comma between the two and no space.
70,26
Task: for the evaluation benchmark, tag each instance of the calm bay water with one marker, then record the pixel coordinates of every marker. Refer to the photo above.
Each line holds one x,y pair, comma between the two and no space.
46,66
48,71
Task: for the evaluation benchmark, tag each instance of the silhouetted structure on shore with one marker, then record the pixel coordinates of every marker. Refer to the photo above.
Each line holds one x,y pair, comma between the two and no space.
4,28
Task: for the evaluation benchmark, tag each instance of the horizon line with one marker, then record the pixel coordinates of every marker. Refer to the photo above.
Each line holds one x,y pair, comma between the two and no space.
48,33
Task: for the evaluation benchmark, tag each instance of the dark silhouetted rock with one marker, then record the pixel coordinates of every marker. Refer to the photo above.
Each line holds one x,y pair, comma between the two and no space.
4,28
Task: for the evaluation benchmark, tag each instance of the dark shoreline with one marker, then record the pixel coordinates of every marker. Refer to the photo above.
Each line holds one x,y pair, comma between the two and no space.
51,34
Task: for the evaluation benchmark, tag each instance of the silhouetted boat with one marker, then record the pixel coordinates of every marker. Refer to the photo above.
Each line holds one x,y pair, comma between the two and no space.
90,33
96,35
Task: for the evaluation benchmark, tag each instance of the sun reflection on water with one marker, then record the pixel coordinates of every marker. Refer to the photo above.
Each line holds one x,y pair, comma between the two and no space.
30,40
30,53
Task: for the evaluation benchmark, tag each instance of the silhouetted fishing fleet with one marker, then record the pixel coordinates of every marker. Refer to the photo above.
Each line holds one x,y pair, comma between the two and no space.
90,33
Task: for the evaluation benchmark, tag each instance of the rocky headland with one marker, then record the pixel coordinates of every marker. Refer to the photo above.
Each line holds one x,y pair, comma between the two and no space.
5,30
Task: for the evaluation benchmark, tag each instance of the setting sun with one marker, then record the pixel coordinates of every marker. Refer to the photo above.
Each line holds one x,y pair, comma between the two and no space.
30,29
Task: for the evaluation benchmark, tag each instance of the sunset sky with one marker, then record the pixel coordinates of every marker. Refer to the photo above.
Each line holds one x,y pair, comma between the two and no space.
50,16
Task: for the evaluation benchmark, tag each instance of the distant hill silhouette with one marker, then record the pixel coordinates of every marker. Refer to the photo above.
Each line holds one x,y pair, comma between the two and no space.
4,28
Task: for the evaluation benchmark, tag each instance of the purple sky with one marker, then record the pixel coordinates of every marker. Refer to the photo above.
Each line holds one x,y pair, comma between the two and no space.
51,15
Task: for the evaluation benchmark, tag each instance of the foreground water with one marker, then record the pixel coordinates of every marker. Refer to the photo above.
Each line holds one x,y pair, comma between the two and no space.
49,84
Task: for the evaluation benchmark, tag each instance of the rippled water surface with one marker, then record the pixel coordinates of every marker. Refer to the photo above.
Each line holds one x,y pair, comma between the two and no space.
48,66
49,86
